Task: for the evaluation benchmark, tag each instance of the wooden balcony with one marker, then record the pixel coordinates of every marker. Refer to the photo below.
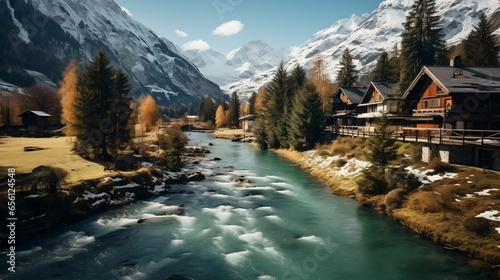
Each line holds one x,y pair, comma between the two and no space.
429,112
430,135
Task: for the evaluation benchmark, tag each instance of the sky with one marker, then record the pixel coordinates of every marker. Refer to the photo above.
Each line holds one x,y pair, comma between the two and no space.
224,25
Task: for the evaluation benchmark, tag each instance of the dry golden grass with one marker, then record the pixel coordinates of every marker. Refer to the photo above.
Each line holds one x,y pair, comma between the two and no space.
55,152
227,133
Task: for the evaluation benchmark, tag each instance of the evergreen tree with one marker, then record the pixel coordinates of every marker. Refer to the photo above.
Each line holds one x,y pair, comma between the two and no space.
201,109
120,113
251,103
93,105
395,62
381,150
383,71
234,111
422,41
481,46
297,78
347,74
306,119
209,110
278,90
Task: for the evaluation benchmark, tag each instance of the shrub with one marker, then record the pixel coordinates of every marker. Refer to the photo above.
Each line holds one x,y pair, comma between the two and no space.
394,199
479,226
441,167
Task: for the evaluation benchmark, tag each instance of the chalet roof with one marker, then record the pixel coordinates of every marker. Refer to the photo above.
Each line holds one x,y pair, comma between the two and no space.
386,90
38,113
461,80
354,94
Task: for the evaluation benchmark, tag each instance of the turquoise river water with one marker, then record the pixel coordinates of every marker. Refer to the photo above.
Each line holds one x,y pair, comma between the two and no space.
287,226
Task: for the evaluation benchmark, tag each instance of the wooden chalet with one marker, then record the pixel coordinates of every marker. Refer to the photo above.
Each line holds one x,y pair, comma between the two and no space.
35,119
345,105
381,98
456,97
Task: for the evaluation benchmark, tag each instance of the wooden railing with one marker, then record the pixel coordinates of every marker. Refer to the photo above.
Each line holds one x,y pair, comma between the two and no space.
433,111
429,135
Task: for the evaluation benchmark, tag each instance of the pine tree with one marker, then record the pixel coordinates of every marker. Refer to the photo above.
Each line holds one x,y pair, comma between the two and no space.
381,150
234,111
201,109
306,119
120,113
481,46
382,146
251,103
208,110
297,78
347,74
383,71
278,90
395,62
93,105
422,41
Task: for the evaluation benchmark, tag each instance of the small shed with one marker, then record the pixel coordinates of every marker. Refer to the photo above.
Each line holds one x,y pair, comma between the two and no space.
247,121
35,119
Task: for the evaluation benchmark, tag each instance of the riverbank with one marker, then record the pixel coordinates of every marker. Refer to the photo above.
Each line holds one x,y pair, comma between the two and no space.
231,134
39,211
456,209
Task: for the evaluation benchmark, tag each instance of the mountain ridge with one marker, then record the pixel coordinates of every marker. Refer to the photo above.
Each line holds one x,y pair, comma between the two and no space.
152,63
368,35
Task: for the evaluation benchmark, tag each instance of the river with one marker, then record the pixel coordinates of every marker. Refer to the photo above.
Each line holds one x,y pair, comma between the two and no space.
284,224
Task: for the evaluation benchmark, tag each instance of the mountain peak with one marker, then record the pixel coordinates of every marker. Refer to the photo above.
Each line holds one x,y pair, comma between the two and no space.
367,36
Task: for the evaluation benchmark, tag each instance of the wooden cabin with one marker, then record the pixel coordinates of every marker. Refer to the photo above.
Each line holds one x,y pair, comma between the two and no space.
35,119
345,105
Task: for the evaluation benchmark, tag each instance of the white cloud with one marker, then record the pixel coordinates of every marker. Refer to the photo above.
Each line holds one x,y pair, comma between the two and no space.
126,11
198,45
181,33
229,28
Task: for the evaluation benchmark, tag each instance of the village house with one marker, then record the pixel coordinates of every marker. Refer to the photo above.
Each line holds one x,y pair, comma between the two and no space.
381,98
35,119
456,97
345,106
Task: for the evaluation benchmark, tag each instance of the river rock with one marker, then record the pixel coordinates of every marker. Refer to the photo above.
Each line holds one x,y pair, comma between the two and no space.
196,176
242,180
216,159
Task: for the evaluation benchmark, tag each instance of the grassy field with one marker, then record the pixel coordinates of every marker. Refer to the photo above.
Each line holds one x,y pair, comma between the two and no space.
53,151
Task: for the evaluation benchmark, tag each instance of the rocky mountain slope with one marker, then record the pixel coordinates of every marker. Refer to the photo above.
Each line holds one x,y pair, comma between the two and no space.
43,35
370,34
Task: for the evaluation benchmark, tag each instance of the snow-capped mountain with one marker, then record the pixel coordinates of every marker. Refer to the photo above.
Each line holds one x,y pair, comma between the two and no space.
59,30
368,35
241,63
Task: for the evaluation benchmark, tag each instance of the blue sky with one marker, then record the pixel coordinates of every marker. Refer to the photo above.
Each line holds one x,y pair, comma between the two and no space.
224,25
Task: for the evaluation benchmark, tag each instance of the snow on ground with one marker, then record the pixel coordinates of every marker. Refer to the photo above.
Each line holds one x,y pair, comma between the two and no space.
427,179
486,192
492,215
352,166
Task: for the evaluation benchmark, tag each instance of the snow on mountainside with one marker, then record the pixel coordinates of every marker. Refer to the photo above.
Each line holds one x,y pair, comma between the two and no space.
241,63
367,36
152,63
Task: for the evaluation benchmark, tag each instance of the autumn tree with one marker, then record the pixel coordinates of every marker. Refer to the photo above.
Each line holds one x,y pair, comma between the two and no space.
221,117
260,98
69,93
347,74
481,46
234,111
148,111
422,41
319,78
